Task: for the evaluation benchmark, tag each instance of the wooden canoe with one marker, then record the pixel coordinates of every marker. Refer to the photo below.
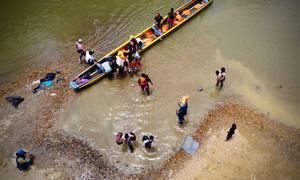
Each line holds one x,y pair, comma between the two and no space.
92,74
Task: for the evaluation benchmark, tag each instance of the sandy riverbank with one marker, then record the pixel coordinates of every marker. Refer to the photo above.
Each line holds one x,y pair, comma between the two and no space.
260,149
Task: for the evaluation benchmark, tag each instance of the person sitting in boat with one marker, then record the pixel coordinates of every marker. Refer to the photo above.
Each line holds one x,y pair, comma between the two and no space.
178,18
147,141
171,18
140,43
80,48
156,30
89,59
158,20
24,159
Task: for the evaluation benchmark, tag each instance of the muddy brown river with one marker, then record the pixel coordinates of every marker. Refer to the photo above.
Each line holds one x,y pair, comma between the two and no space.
257,42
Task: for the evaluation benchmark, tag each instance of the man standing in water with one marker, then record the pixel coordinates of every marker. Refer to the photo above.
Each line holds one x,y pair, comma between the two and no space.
220,76
129,138
144,82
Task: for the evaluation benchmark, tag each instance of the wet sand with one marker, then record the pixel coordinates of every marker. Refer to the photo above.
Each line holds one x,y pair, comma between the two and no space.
32,127
260,148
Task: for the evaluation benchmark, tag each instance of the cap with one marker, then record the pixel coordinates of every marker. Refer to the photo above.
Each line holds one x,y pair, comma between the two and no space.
80,40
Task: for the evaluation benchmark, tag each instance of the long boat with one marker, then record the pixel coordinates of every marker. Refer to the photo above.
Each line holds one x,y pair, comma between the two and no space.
148,36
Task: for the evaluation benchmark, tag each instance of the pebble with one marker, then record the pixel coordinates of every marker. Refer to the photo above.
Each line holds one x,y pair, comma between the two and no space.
200,89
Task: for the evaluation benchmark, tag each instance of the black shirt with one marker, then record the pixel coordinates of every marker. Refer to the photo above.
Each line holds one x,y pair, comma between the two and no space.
171,15
158,19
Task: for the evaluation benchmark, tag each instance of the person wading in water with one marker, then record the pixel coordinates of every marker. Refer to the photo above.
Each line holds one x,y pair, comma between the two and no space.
80,49
171,18
220,76
144,82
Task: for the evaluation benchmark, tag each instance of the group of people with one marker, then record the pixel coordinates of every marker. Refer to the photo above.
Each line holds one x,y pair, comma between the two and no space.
220,76
161,25
125,61
128,138
88,55
128,60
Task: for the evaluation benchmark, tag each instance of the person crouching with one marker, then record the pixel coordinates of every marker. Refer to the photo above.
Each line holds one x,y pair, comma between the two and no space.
24,159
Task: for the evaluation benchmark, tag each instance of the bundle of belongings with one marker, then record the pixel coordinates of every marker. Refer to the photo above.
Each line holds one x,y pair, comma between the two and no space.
15,100
24,159
47,81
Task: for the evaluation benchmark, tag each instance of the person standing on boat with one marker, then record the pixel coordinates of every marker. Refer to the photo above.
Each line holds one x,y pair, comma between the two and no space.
158,20
171,18
133,45
140,43
144,82
80,49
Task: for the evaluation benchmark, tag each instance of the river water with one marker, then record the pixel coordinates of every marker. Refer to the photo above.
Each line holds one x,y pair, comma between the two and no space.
257,42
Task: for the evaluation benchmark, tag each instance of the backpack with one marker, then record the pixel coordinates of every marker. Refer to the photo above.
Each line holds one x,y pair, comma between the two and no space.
20,153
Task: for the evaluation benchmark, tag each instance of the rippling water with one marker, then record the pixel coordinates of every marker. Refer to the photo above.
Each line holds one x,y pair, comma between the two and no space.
257,42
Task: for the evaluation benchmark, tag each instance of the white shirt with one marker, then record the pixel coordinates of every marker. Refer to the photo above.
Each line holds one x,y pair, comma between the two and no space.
138,40
88,57
221,75
119,61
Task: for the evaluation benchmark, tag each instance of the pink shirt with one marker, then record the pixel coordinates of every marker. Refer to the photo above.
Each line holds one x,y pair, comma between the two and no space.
79,46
